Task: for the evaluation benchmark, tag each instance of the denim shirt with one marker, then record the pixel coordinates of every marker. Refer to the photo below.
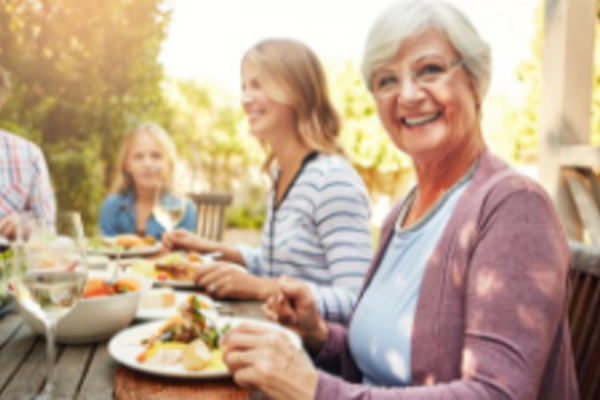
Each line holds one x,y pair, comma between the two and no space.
118,217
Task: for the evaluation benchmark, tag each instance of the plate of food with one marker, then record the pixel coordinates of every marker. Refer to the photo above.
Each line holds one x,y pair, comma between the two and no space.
125,246
185,346
164,303
174,269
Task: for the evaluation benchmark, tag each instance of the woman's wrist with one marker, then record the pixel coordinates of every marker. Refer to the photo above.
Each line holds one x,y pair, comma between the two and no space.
206,246
265,288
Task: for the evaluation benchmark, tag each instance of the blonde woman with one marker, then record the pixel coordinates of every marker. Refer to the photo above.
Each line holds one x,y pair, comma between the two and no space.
317,226
146,165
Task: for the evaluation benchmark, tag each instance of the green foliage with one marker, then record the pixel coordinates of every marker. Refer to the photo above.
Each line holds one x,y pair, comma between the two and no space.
376,158
5,270
524,118
81,178
247,216
208,127
211,134
82,72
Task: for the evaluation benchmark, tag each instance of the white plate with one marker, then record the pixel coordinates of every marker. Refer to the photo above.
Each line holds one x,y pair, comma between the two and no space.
124,348
175,284
141,251
168,312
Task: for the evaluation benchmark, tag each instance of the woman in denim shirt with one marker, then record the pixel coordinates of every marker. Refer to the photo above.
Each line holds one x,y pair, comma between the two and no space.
146,165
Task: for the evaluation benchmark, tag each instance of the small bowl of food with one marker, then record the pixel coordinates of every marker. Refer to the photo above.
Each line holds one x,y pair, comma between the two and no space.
104,309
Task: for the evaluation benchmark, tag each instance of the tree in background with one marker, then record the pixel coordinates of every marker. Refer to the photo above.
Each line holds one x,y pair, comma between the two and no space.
213,139
209,128
384,169
83,71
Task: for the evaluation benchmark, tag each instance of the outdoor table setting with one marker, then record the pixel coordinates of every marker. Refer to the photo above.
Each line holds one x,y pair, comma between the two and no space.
102,349
87,371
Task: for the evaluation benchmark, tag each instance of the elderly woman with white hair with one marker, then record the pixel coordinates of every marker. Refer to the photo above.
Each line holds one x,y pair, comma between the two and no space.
466,296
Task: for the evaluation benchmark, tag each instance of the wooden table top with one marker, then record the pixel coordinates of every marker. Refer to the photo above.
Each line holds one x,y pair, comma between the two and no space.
83,371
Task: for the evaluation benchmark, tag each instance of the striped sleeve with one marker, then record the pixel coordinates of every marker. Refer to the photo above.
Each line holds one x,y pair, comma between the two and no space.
342,217
252,258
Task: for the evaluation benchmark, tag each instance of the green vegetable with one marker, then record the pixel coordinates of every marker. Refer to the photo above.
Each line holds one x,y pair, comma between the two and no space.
211,338
5,269
95,243
167,336
122,289
225,329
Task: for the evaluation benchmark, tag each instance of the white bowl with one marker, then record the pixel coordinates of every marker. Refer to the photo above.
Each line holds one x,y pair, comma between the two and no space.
95,319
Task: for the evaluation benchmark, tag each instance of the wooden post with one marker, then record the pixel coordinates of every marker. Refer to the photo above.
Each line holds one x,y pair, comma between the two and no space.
567,71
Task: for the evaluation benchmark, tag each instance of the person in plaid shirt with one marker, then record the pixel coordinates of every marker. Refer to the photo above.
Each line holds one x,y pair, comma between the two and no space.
24,179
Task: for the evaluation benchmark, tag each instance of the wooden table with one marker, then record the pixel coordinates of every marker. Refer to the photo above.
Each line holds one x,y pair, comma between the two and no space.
85,371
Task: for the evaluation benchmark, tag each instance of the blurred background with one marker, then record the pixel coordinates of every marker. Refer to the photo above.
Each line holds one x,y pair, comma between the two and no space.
85,71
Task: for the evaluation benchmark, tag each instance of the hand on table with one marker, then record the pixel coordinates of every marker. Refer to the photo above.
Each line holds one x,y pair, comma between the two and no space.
185,240
293,306
223,279
266,359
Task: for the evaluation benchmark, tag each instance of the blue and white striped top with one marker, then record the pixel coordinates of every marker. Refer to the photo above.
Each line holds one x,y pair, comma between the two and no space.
320,234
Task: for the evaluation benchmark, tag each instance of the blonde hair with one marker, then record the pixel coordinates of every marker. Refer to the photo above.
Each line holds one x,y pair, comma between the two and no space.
123,182
294,76
411,17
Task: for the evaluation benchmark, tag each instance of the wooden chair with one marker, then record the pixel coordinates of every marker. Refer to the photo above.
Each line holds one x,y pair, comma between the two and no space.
211,213
584,316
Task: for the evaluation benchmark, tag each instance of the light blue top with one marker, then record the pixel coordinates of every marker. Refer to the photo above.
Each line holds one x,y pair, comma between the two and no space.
118,217
319,234
381,329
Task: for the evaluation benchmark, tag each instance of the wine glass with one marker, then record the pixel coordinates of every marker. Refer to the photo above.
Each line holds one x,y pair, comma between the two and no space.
49,275
169,207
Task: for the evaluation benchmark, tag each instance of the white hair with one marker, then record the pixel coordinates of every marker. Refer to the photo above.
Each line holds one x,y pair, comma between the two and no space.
408,18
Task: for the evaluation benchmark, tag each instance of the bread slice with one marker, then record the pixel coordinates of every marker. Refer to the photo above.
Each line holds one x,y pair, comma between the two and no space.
164,354
196,355
158,298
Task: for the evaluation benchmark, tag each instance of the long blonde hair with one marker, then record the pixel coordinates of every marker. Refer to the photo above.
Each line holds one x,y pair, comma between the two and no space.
123,182
291,74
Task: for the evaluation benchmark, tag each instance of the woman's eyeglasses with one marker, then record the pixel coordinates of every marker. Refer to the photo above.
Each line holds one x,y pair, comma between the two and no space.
423,73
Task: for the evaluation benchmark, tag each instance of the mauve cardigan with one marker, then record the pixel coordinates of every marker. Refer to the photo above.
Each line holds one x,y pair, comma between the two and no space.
490,321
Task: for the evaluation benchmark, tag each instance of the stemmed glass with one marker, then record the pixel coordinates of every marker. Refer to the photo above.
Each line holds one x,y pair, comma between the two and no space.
169,207
49,274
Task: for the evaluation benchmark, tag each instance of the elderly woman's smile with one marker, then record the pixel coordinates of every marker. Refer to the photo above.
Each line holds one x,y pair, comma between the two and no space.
412,121
425,98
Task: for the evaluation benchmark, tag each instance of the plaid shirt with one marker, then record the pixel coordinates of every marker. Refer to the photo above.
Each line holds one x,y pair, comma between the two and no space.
24,179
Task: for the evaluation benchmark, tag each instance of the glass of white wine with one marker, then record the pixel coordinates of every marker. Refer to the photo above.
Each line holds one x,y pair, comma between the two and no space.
49,275
169,207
